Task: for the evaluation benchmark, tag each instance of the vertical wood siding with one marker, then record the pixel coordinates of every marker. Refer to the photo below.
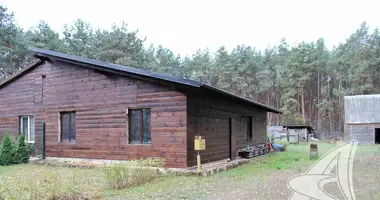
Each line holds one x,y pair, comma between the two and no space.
100,101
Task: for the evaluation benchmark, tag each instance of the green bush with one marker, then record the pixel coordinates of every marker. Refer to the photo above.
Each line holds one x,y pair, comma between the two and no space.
7,152
22,153
116,176
15,151
30,148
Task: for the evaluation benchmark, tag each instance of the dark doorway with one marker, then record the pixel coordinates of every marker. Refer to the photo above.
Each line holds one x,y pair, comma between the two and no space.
377,135
230,136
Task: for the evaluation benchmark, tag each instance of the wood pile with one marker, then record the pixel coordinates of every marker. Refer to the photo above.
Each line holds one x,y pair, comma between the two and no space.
254,151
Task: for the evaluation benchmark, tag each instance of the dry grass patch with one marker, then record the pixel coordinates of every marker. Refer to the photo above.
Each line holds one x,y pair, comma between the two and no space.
42,182
29,182
133,173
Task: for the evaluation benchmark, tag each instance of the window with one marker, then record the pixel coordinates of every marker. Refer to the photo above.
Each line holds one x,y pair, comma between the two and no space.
139,126
27,128
68,132
249,127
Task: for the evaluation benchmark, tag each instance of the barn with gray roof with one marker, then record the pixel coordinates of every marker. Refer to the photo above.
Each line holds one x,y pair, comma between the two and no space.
362,118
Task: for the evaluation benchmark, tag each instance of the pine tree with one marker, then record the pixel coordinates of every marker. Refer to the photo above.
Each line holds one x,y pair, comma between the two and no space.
7,151
22,153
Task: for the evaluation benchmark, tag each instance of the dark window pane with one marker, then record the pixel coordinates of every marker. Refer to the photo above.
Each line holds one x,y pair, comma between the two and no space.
73,131
65,117
135,126
146,126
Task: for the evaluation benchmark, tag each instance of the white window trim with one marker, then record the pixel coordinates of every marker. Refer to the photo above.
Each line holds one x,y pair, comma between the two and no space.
29,128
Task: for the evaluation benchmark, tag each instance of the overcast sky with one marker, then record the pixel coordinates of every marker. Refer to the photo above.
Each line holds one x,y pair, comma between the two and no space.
185,26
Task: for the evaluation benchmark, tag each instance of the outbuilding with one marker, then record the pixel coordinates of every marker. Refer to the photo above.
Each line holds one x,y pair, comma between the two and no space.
293,133
362,118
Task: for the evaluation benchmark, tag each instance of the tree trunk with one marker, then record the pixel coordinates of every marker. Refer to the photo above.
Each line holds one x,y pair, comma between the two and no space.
268,103
318,94
303,105
310,106
330,110
277,103
340,106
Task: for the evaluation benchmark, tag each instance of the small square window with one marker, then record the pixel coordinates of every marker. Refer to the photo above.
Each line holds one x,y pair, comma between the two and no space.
68,127
139,126
27,128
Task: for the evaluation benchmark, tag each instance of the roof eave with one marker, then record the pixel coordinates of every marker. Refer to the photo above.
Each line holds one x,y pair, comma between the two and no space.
267,108
21,72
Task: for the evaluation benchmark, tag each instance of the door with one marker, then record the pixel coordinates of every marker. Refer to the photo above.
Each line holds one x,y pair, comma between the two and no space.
232,138
377,135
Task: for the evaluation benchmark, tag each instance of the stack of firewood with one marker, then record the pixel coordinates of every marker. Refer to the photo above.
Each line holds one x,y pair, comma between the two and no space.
254,151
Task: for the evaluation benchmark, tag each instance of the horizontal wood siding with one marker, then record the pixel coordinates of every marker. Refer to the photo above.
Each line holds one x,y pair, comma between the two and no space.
100,101
363,133
209,117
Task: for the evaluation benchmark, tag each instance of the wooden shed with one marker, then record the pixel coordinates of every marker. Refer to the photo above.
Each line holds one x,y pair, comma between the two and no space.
362,118
97,110
293,133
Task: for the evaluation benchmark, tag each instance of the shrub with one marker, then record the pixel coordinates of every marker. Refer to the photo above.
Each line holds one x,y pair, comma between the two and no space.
134,173
30,148
116,176
7,151
15,151
270,139
22,153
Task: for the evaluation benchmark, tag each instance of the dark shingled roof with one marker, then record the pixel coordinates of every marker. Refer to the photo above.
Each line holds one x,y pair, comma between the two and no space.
101,65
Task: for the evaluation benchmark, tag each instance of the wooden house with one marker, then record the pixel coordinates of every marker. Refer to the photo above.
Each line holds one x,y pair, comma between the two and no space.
97,110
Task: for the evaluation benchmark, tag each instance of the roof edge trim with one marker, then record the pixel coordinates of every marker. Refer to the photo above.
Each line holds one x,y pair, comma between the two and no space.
141,72
20,73
267,108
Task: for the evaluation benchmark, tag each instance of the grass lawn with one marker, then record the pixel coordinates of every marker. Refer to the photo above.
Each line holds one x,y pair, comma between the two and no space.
263,178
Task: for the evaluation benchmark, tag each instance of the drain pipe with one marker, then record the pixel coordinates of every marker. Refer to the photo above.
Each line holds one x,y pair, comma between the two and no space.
43,141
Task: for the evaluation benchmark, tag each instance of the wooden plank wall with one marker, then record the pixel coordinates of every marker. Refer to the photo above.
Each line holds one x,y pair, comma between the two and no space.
209,117
363,133
101,101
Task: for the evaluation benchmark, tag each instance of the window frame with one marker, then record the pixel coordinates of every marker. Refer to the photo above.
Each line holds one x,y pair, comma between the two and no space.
130,126
30,128
69,127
